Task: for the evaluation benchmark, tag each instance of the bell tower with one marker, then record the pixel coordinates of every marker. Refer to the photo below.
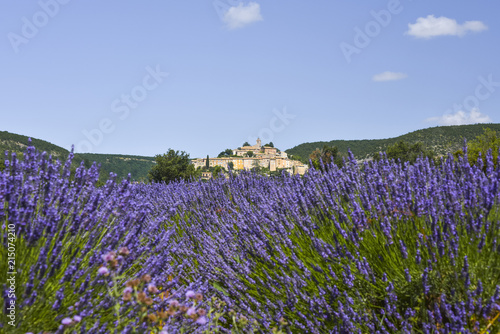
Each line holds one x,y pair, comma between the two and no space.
259,143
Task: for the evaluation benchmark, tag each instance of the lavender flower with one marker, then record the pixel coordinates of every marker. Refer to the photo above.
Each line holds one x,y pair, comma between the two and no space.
407,275
103,271
67,321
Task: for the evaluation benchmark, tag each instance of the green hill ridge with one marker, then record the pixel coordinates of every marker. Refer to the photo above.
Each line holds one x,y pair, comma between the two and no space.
441,139
17,143
122,165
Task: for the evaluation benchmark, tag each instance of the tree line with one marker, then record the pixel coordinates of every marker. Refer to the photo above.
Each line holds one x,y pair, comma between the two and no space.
442,140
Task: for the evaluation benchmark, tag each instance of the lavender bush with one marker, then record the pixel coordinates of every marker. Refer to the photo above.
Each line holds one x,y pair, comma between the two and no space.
382,247
63,224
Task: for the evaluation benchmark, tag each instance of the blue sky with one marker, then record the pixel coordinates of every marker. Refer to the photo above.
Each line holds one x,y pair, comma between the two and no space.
134,77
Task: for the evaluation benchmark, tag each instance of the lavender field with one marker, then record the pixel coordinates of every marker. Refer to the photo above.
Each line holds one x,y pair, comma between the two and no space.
374,248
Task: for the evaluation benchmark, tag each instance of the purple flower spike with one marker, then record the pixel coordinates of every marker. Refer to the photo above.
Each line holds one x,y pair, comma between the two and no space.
407,275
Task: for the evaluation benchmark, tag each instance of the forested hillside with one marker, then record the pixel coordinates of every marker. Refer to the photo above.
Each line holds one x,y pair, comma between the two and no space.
441,139
17,143
122,165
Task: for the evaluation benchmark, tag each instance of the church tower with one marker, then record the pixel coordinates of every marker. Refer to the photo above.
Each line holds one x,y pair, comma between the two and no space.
259,143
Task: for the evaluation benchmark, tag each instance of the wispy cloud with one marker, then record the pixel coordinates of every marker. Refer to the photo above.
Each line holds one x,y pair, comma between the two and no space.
389,76
242,15
431,26
461,118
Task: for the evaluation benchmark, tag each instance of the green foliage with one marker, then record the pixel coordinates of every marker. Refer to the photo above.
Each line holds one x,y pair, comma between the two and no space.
226,153
218,171
2,165
246,144
404,152
489,140
249,154
122,165
297,158
207,162
270,144
171,166
326,154
441,139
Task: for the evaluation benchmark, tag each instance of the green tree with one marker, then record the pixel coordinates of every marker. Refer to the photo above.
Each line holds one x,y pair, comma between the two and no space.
230,165
297,158
488,140
270,144
246,144
326,154
171,166
249,154
403,151
218,171
224,154
207,163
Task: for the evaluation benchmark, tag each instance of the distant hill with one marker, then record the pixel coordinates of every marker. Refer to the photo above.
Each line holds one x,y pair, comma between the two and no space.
122,165
442,139
17,143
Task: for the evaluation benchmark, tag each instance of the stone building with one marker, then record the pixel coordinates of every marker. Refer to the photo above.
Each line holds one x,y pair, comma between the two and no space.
242,151
206,175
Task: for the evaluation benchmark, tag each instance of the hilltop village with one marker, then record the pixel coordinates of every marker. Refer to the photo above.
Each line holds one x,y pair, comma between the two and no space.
248,157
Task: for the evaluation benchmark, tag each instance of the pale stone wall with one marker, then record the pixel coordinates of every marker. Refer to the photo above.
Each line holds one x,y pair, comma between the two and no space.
270,150
272,165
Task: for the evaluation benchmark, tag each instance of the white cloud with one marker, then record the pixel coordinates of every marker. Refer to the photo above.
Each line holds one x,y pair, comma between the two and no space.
389,76
461,118
432,26
241,15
